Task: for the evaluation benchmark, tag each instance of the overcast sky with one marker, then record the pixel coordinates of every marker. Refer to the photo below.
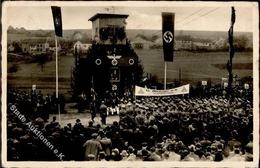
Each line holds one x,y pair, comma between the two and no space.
186,18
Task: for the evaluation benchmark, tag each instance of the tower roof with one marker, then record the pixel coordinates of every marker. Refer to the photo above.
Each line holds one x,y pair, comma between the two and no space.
107,15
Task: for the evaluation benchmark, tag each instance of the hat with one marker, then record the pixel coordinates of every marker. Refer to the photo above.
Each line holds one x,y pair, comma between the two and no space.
131,149
94,135
139,153
144,144
101,132
116,151
192,148
124,153
213,147
91,156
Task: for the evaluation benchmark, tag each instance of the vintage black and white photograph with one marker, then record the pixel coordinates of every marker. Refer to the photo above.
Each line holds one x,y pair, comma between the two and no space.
109,82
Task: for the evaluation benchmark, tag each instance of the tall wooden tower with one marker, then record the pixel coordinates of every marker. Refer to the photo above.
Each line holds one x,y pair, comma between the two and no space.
111,64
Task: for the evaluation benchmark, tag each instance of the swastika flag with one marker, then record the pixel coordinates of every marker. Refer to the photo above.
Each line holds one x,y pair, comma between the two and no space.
56,13
168,35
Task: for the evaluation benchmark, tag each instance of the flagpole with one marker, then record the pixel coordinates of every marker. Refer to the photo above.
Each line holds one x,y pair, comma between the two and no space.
165,71
57,77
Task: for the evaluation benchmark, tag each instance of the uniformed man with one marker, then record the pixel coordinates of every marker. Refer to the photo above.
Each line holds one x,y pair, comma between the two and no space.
103,112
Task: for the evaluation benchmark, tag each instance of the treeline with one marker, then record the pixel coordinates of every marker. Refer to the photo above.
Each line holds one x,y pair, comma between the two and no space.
189,43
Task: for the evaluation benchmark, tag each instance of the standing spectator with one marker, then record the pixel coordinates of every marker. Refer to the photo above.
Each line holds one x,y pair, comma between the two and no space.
93,147
105,143
172,155
103,112
116,155
78,127
93,110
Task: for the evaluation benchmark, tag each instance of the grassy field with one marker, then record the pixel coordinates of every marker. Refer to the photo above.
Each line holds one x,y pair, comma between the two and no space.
194,67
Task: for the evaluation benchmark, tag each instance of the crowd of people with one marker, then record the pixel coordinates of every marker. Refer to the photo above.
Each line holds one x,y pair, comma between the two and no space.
34,104
175,128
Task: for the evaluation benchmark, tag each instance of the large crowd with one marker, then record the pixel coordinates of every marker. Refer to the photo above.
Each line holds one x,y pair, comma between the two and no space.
176,128
34,104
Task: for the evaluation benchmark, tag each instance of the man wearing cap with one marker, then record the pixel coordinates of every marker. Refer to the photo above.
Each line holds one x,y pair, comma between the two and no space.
154,156
116,155
172,155
92,146
124,155
105,143
192,156
131,156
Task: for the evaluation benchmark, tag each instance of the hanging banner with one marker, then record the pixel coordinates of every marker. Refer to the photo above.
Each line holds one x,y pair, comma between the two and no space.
141,91
168,35
56,13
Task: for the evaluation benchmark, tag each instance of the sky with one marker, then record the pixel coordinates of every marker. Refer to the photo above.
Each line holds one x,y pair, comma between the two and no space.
213,18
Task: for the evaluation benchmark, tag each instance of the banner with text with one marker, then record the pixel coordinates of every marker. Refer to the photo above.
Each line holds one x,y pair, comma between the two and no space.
141,91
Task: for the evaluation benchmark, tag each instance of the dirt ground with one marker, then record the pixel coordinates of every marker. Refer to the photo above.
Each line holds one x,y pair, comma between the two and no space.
84,118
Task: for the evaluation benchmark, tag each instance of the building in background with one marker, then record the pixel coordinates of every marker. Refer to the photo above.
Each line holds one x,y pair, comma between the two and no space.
140,43
35,46
202,44
81,47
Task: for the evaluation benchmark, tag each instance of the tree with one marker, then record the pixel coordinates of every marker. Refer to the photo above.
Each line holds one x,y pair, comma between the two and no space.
154,37
240,43
17,47
41,59
13,68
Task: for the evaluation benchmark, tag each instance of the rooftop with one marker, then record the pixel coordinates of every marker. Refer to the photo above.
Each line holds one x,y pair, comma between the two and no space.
107,15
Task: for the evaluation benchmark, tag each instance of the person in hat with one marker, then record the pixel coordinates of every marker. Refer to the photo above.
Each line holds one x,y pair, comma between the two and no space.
78,127
184,153
91,157
153,155
103,112
116,155
192,156
173,156
249,152
105,143
138,157
218,154
124,155
93,110
102,156
92,146
54,123
233,142
145,155
90,129
131,156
